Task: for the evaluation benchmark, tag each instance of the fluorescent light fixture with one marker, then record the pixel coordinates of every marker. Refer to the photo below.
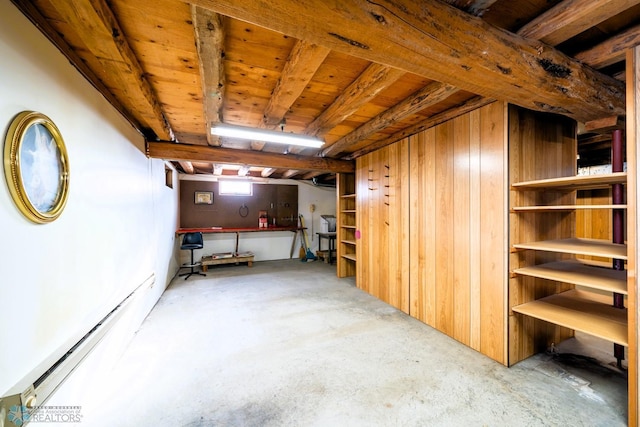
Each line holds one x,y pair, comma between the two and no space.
241,132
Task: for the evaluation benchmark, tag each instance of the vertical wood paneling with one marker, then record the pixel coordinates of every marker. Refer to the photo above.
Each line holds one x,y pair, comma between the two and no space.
492,225
363,246
474,229
422,270
444,228
384,245
461,231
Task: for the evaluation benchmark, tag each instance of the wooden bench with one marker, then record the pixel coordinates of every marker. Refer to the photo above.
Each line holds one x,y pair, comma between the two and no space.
213,260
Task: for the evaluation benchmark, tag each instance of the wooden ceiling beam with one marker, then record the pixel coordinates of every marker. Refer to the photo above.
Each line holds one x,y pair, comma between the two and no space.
267,172
33,14
437,41
611,50
571,17
101,34
362,90
429,95
373,79
177,152
290,173
209,33
303,62
187,167
312,174
446,115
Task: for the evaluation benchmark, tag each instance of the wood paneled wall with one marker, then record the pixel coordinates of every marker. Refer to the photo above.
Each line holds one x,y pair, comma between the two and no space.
458,229
435,244
383,247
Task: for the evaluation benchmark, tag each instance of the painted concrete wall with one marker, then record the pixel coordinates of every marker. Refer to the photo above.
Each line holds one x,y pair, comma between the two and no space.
274,245
59,279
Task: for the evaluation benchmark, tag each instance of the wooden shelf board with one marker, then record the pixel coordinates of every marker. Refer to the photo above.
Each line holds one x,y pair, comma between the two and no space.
581,311
351,257
348,196
567,208
577,273
573,182
591,247
349,242
348,226
349,211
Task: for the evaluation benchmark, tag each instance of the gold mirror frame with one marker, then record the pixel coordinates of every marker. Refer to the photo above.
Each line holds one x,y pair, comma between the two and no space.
34,153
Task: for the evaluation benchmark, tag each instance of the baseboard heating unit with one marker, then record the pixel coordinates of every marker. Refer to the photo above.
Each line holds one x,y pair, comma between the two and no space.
30,393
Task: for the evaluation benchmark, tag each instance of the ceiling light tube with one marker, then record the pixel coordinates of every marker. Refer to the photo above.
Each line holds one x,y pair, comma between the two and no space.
241,132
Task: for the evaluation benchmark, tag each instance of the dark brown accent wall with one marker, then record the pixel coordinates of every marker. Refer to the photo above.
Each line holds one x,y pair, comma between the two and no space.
280,201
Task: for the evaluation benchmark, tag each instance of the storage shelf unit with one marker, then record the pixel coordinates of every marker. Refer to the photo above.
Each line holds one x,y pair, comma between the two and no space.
577,309
346,225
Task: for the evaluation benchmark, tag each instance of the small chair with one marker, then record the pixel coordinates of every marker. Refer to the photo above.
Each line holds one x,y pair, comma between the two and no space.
192,241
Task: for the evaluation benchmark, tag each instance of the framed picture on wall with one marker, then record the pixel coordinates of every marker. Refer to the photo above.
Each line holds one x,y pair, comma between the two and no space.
36,166
204,197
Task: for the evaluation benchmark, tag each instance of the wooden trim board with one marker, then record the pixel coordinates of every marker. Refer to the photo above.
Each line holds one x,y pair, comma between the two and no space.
581,311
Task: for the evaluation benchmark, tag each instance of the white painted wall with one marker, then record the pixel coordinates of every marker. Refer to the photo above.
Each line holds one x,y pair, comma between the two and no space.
272,245
117,229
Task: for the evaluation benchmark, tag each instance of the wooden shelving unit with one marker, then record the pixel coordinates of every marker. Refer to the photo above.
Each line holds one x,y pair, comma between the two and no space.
578,309
346,225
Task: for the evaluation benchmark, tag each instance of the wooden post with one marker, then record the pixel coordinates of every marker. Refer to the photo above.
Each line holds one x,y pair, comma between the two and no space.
617,165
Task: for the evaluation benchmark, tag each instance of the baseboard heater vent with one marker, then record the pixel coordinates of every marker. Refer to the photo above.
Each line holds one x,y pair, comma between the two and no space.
29,393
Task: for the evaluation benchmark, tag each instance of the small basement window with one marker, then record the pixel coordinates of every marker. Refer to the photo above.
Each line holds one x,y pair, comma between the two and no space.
235,188
168,176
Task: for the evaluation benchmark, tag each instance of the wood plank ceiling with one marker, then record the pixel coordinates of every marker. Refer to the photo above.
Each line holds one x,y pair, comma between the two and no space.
358,74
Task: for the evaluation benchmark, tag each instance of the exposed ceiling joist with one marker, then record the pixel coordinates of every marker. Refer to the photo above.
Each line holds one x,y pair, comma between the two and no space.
429,95
209,34
29,10
572,17
303,62
177,152
290,173
109,45
417,37
451,113
187,167
312,174
612,50
267,172
363,89
372,80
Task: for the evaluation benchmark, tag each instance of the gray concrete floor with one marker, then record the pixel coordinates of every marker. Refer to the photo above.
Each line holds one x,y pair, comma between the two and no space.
286,343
